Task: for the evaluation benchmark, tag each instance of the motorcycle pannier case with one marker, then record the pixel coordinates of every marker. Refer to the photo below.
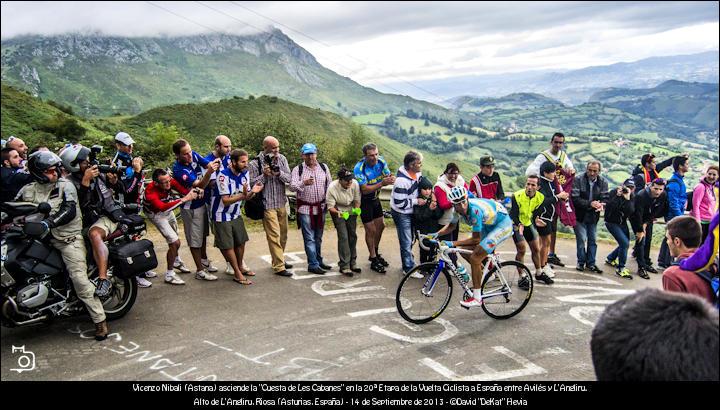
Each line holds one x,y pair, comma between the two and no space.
133,258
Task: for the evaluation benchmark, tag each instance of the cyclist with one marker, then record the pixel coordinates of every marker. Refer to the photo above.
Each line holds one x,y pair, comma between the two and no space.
491,226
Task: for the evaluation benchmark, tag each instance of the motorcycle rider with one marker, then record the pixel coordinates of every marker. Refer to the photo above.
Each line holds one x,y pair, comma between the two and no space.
64,224
101,213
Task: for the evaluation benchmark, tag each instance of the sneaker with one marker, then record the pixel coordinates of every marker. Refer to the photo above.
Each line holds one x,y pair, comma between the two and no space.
103,288
174,280
316,271
595,269
180,265
470,303
623,273
650,269
641,272
101,330
417,275
347,272
377,266
524,283
613,263
543,277
580,268
382,260
288,266
284,273
355,269
554,260
325,267
204,275
149,274
209,267
143,283
228,269
548,271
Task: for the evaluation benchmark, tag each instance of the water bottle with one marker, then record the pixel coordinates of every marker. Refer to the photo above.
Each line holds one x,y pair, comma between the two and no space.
463,272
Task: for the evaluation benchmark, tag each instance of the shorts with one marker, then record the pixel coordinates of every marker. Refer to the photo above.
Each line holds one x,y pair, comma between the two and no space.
196,226
166,223
105,224
371,210
496,234
529,234
546,230
230,234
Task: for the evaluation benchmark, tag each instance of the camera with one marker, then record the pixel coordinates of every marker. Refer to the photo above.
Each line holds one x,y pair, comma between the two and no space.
624,190
92,158
268,159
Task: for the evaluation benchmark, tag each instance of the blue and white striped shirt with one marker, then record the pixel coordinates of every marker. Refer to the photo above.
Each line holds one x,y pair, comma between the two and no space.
228,183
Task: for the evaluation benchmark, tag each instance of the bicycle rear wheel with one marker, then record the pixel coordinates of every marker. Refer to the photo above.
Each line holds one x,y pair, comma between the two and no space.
504,301
418,301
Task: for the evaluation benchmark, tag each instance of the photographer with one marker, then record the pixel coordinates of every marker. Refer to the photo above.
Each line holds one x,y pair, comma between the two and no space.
65,228
617,211
271,168
132,183
101,213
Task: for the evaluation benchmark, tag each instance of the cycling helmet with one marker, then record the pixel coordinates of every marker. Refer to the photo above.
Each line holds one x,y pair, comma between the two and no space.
72,155
41,161
457,195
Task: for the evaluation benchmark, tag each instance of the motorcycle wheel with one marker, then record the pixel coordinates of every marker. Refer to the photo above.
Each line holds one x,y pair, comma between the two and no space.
122,297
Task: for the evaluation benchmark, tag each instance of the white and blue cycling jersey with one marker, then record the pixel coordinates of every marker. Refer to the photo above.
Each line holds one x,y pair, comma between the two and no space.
228,183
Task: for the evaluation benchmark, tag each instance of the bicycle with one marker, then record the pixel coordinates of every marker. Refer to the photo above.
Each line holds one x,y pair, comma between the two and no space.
502,295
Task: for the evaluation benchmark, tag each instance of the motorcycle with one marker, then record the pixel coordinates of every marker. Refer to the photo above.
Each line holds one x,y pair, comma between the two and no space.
35,286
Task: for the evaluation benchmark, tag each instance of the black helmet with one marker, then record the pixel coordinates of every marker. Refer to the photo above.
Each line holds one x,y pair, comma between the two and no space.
41,161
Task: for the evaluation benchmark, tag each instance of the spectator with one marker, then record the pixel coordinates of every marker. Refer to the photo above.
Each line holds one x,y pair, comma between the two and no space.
649,170
705,199
678,341
589,195
618,209
677,202
545,215
372,173
343,202
404,197
310,180
14,176
524,210
450,177
425,217
684,236
487,183
704,261
192,171
272,170
563,167
132,184
230,190
18,145
159,208
650,203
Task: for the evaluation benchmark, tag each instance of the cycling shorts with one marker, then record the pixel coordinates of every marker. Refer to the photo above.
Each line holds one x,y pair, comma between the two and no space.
494,235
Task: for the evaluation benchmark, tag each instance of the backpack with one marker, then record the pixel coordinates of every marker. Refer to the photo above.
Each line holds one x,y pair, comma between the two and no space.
254,207
712,279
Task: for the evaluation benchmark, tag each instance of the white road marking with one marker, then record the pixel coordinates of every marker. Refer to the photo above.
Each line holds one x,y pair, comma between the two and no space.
528,368
449,332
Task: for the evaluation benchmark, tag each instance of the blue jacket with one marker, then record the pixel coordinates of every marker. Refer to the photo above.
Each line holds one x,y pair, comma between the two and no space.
677,196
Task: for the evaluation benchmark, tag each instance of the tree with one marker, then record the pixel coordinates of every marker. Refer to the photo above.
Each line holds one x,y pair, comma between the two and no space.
157,146
427,123
64,128
412,130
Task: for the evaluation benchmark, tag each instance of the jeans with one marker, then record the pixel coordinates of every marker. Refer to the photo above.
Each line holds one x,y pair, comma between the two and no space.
403,223
642,247
585,234
313,241
622,235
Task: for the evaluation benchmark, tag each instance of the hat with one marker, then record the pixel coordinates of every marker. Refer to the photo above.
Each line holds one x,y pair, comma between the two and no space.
487,160
345,174
425,183
547,166
124,138
629,183
308,148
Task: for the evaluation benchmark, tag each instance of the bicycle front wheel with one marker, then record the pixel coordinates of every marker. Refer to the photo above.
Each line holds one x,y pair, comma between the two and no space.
506,291
418,299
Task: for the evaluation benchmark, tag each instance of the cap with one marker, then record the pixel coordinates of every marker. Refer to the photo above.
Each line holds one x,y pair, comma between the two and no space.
629,183
124,138
345,174
308,148
487,160
425,183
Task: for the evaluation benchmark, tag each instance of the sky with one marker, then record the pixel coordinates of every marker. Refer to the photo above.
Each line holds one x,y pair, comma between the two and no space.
376,43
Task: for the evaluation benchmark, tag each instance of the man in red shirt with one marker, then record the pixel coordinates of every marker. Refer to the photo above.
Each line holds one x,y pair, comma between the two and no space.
683,236
159,209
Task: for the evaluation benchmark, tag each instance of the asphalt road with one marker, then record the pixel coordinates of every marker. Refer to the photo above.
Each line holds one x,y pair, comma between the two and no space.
331,327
